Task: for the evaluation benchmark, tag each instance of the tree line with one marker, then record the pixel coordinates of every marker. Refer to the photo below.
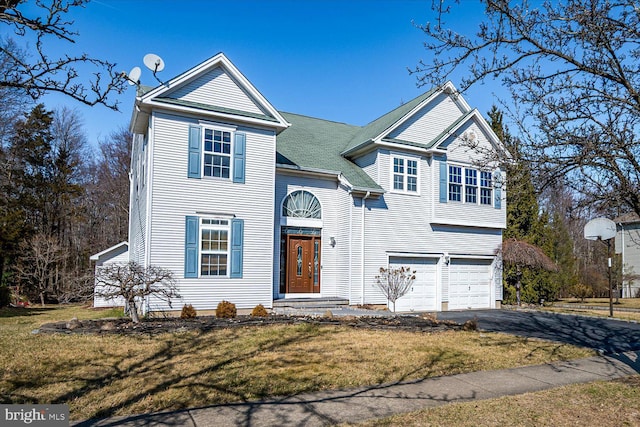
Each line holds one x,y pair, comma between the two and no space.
60,201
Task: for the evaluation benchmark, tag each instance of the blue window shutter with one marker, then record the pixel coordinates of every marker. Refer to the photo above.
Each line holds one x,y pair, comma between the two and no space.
239,157
498,197
443,181
194,152
191,247
237,239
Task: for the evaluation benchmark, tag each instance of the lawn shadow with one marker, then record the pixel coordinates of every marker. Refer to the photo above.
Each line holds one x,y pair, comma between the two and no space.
8,312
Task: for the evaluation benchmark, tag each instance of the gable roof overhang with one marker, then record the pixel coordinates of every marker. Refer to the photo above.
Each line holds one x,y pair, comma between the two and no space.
119,248
438,141
388,123
149,99
338,176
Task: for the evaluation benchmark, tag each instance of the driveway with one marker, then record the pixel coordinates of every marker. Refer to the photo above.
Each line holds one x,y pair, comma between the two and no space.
607,336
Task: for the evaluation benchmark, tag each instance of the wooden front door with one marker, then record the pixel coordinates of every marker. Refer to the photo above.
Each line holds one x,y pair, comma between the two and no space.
303,264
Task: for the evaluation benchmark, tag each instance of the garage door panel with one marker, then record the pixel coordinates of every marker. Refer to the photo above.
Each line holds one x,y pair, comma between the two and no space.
469,284
422,295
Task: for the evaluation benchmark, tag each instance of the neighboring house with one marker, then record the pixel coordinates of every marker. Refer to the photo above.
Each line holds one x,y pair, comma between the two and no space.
249,204
118,254
628,246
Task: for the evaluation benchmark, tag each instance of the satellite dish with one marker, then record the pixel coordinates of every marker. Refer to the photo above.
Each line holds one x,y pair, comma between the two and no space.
600,229
153,62
134,76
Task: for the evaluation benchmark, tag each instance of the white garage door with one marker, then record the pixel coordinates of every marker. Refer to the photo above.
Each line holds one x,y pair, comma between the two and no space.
469,284
422,295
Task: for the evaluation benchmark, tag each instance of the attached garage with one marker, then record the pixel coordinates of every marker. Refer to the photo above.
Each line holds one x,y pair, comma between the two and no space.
423,294
469,283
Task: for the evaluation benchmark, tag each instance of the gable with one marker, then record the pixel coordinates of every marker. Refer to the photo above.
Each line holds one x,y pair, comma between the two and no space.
216,88
468,143
429,122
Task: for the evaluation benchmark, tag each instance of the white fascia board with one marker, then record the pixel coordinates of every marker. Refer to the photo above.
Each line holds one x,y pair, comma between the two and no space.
447,88
280,167
401,147
96,257
450,89
413,254
447,221
214,115
480,121
213,62
471,256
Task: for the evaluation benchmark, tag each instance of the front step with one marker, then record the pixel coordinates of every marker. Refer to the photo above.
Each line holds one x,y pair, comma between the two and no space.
310,303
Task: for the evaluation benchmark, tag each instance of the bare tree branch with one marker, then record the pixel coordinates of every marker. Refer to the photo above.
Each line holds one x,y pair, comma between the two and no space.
36,73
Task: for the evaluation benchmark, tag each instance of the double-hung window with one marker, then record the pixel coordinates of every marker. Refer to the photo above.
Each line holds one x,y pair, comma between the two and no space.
486,188
404,174
467,189
455,183
217,153
470,186
214,247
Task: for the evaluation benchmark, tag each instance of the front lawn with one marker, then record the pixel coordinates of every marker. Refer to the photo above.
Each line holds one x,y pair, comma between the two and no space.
105,375
603,404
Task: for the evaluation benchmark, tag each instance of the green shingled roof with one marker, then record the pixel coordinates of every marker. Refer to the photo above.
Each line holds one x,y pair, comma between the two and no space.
376,127
315,144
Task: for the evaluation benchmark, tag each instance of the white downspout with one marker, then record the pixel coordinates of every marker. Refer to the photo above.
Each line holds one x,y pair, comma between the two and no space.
622,250
362,248
350,248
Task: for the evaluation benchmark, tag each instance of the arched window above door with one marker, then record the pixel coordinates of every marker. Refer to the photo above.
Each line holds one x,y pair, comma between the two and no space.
301,204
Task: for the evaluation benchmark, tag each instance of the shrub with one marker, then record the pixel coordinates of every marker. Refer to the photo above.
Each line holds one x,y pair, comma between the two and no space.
581,291
226,310
259,311
188,312
470,325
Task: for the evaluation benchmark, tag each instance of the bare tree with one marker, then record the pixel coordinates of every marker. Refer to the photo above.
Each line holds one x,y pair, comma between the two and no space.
134,282
521,254
35,72
38,267
395,282
573,68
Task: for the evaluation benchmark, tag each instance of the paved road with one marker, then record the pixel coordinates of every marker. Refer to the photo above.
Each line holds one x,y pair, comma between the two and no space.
607,336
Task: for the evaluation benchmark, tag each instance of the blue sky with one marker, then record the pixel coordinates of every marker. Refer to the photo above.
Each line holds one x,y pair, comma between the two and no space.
339,60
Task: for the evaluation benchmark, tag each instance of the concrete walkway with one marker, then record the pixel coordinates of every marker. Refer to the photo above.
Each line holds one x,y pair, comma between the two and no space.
334,407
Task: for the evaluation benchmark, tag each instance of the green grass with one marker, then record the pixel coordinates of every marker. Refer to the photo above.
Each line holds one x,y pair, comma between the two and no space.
106,375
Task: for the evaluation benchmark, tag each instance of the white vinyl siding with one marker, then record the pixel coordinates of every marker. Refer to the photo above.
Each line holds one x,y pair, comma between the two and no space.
175,196
138,198
429,122
217,88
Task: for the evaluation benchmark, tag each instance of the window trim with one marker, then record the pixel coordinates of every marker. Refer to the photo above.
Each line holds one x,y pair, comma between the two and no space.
204,152
213,126
201,252
405,173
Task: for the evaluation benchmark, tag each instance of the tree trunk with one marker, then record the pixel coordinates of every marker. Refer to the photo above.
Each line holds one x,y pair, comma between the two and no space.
133,312
42,299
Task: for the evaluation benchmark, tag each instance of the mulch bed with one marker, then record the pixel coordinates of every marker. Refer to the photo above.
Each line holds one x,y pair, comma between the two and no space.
208,323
